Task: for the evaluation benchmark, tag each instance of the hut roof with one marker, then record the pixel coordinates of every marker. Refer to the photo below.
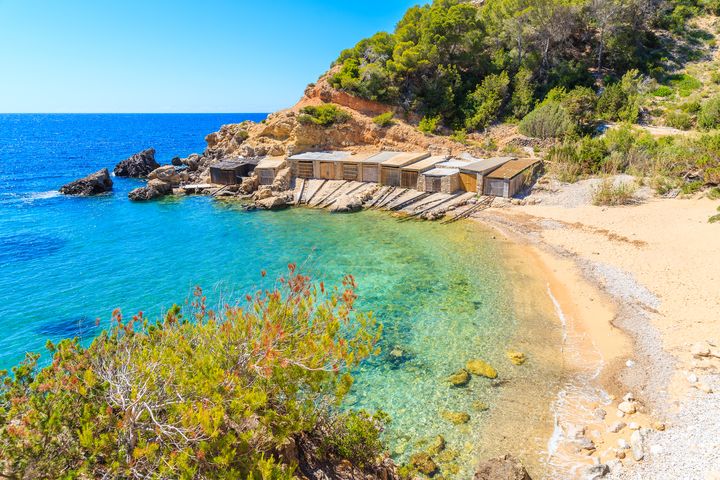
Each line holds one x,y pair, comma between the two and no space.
328,156
441,172
424,164
270,162
513,168
231,164
486,165
400,159
454,163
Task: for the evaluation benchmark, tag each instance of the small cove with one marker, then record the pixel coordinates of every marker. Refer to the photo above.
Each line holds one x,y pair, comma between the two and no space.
444,293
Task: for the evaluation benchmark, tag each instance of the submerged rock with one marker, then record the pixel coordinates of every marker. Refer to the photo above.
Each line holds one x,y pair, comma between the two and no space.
94,184
437,445
423,463
506,467
154,189
459,378
458,418
271,203
137,166
517,358
481,368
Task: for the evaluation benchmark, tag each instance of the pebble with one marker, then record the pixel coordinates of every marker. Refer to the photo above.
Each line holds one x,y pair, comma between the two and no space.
627,407
634,426
630,363
620,454
659,426
600,414
616,427
629,397
623,444
692,378
637,446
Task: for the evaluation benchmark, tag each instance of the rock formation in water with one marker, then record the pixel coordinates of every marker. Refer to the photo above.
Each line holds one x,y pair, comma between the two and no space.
137,166
94,184
160,183
506,467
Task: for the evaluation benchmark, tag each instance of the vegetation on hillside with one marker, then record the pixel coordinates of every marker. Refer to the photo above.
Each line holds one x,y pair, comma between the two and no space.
472,63
241,393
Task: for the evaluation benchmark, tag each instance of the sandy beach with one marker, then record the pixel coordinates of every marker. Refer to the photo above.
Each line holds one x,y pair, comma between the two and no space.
636,290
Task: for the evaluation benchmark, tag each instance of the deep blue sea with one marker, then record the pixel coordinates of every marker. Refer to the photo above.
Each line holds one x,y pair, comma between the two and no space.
440,290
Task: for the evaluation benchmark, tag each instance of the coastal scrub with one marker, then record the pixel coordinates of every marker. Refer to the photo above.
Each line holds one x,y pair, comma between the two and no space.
239,393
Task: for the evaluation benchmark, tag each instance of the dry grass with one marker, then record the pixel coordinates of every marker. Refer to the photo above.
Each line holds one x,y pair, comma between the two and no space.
609,193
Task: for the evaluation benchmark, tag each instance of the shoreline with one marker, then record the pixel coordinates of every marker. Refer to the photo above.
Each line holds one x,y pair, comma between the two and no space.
616,267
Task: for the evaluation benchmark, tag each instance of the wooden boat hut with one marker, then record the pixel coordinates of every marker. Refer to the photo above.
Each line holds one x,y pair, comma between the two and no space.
511,177
409,173
393,162
318,164
439,179
369,167
230,172
472,175
267,168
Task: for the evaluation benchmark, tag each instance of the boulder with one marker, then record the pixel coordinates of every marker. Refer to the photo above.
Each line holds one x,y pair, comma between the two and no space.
346,203
167,174
506,467
263,192
481,368
423,463
138,166
271,203
94,184
249,184
176,161
154,189
459,378
627,407
595,472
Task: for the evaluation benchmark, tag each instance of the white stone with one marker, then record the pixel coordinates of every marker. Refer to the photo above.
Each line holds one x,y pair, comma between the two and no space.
634,426
637,445
630,363
692,378
629,397
627,407
619,414
616,427
623,444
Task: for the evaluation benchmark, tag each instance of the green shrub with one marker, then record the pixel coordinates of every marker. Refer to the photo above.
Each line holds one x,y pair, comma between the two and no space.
197,394
680,120
429,125
715,218
460,136
580,103
685,84
324,115
692,106
619,101
355,436
523,97
709,116
610,193
487,101
663,91
550,120
715,77
691,187
714,193
384,119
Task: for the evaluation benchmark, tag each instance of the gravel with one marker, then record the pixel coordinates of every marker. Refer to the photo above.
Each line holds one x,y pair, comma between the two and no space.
570,195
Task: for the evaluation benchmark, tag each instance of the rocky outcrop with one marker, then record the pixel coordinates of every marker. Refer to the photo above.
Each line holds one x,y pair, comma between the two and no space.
346,203
168,174
271,203
506,467
138,166
154,189
94,184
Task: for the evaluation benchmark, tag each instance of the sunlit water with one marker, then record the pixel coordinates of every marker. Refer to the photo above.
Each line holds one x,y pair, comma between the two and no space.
443,292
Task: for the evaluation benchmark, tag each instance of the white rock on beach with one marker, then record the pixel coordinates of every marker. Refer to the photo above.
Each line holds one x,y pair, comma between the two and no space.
623,444
627,407
634,426
692,378
637,445
616,427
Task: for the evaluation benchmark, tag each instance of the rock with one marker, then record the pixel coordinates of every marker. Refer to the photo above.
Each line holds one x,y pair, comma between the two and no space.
620,454
177,161
437,445
459,378
692,378
517,358
599,413
346,203
481,368
634,426
659,426
594,472
616,427
629,397
623,444
282,180
480,406
423,463
457,418
94,184
700,350
615,466
637,445
506,467
249,184
167,174
271,203
584,443
154,189
398,355
138,166
627,407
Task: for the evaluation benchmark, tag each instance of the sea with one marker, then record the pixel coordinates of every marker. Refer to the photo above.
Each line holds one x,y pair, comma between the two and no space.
444,293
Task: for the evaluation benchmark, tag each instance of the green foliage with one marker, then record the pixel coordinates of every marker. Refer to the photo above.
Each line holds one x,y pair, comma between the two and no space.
429,125
663,91
523,96
611,193
198,394
619,101
354,436
549,120
487,100
580,104
685,84
324,115
715,218
384,119
715,77
680,120
709,116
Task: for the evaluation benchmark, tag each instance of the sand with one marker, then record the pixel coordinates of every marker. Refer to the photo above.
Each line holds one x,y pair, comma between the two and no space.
637,287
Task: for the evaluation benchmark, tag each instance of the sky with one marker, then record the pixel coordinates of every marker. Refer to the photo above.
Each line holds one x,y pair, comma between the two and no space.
87,56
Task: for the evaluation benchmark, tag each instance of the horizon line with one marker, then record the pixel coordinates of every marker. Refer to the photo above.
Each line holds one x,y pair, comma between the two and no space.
133,113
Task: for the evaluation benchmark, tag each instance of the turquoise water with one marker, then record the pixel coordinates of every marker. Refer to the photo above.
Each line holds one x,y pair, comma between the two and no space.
440,290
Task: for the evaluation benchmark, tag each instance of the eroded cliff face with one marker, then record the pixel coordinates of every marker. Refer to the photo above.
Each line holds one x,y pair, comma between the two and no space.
282,134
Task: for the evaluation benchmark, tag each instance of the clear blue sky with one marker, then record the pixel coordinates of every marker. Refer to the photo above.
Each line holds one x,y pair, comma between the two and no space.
175,56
